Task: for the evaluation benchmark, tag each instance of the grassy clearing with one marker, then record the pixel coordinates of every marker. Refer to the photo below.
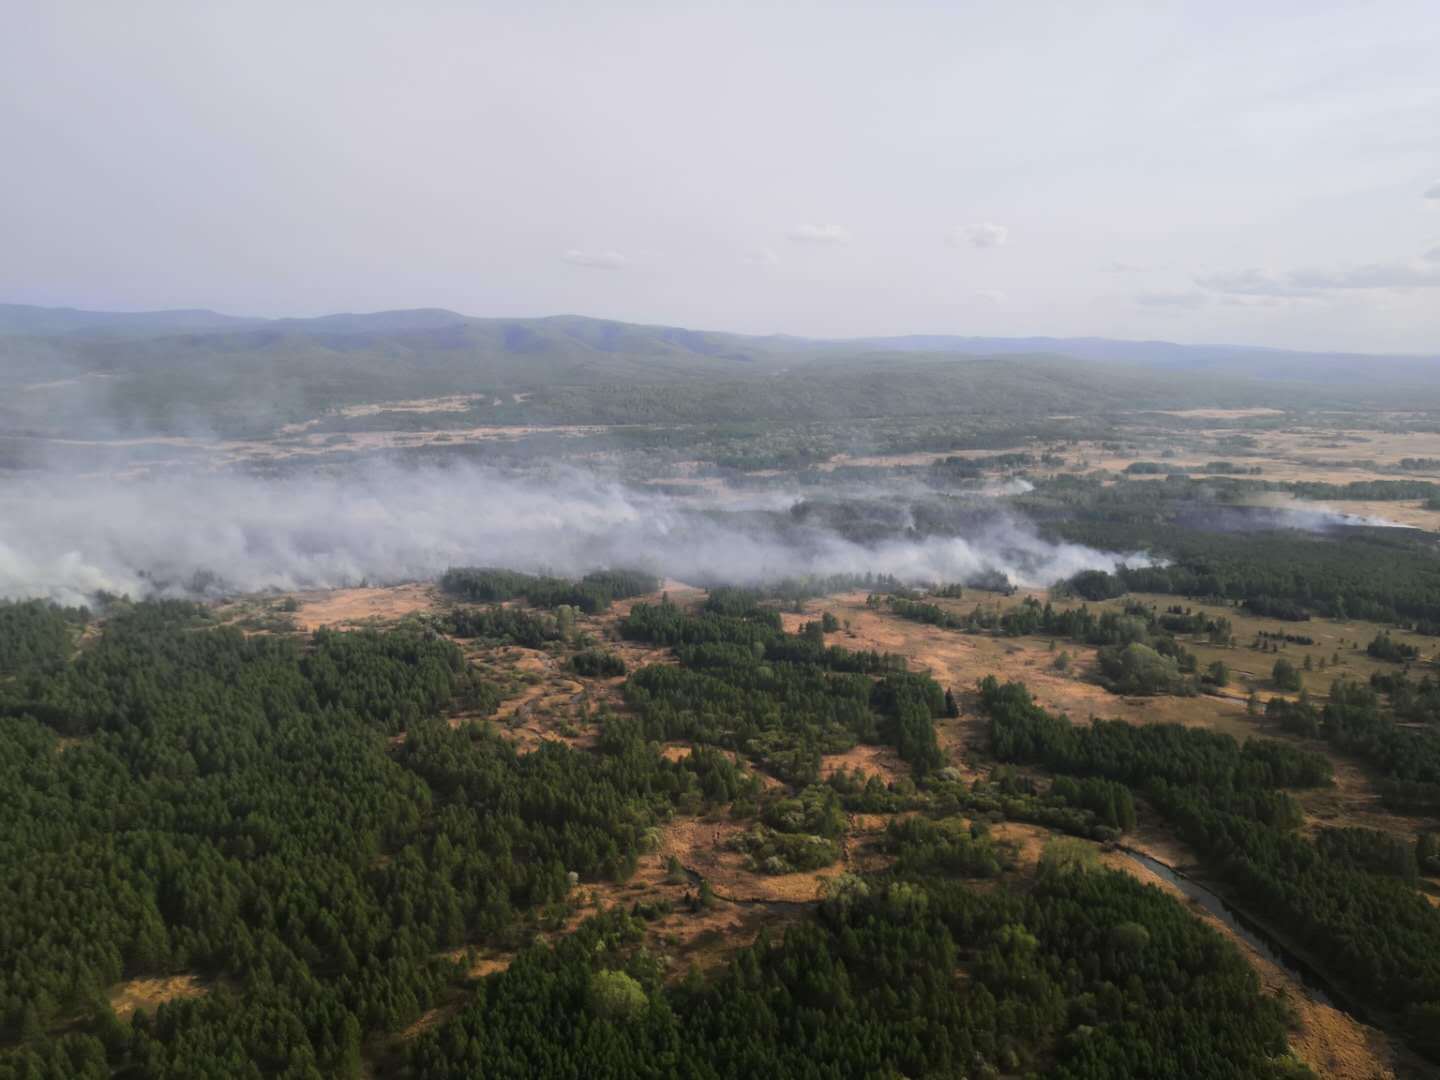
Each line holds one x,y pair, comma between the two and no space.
148,994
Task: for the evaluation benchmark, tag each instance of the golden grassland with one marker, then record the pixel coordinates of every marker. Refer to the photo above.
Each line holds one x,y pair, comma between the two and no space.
1300,453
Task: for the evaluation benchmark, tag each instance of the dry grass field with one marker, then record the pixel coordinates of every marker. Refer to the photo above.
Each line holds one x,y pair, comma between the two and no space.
147,994
1300,453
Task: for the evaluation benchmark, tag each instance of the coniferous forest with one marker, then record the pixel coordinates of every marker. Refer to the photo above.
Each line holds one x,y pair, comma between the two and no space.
295,821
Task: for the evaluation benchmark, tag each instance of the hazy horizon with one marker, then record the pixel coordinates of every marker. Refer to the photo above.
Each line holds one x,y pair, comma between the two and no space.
1189,173
918,334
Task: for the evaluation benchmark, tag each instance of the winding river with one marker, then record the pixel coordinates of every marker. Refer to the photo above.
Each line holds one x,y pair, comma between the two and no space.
1253,935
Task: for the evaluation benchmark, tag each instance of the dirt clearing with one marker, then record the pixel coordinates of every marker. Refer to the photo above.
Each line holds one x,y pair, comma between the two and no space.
145,995
363,606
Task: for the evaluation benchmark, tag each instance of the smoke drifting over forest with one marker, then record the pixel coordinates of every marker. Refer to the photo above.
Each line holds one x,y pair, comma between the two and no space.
219,533
1278,514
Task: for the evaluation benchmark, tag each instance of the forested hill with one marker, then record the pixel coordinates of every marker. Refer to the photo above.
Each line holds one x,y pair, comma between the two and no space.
62,370
1318,368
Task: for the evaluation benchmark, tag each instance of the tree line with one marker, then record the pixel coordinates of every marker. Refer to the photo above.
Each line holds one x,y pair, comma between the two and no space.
592,593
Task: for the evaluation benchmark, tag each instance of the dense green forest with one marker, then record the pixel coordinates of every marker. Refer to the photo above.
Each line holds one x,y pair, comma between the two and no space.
36,636
1088,975
1376,934
590,594
781,699
293,820
182,798
1212,548
1291,575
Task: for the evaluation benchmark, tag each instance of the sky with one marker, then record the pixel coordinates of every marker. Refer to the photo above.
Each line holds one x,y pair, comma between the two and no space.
1215,171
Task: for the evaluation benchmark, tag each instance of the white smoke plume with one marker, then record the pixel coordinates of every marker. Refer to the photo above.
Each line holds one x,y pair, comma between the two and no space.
176,534
1277,511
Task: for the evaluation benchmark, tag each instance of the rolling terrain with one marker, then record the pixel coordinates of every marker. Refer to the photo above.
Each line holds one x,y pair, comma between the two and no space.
835,670
79,373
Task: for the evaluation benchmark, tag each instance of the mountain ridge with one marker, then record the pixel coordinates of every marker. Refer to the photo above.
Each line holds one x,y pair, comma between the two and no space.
201,370
34,320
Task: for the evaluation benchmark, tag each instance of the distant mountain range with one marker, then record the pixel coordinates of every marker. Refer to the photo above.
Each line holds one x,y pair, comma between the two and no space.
610,337
194,369
42,321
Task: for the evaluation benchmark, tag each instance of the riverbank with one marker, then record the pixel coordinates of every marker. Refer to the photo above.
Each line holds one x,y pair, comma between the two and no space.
1330,1038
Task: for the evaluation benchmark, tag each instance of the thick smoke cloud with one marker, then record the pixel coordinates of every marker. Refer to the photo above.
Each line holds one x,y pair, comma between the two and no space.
209,533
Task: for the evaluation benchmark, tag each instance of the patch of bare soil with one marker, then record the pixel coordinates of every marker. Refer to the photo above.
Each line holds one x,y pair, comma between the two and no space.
1221,414
1353,801
1025,841
453,403
363,606
705,936
702,845
1162,845
871,760
1294,454
550,703
146,994
638,654
679,751
298,441
479,962
688,933
958,661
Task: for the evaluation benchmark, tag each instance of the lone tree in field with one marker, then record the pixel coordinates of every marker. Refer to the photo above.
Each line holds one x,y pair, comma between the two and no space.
1285,676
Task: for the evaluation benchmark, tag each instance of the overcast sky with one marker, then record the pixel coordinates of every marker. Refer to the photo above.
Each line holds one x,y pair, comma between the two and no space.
1209,171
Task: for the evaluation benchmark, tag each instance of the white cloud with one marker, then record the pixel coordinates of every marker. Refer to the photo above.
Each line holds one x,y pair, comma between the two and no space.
984,234
820,235
1433,191
1421,273
991,296
761,257
1251,282
1237,300
1174,300
1118,267
1414,274
595,260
